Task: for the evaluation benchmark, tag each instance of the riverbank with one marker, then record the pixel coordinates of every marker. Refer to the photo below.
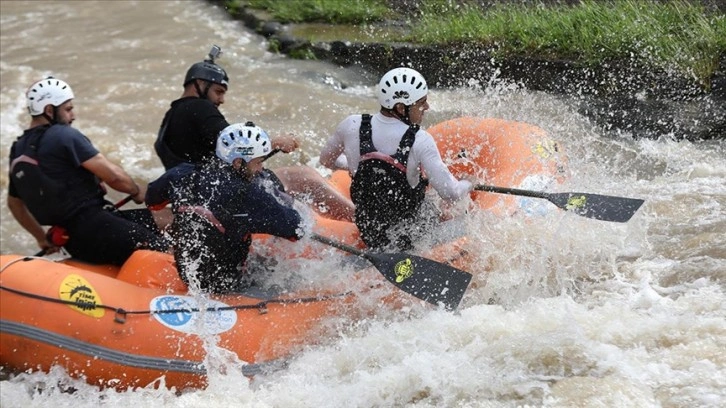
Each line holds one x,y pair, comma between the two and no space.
622,96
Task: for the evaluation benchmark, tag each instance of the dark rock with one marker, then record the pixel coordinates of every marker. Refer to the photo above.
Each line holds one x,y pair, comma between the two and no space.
270,28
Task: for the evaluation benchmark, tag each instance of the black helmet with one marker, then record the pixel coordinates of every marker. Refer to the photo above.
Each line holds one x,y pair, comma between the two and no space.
207,70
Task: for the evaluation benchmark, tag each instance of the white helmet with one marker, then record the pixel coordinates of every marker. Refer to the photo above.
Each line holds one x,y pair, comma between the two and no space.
401,85
49,91
244,141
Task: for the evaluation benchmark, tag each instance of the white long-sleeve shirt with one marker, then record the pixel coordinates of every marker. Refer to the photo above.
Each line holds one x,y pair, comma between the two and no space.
387,134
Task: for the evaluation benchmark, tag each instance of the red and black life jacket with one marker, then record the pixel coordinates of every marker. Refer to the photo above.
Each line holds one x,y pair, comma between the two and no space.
49,200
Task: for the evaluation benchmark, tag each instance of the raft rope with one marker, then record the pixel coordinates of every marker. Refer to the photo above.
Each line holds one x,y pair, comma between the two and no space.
121,313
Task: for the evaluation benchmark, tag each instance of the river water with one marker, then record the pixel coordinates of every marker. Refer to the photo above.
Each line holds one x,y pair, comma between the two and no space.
566,311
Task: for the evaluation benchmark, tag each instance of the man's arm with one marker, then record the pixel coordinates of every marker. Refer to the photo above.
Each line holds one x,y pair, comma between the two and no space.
285,143
114,176
27,221
159,192
267,215
332,154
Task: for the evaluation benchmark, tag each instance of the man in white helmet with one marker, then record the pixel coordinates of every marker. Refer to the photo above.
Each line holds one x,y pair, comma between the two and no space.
219,204
55,179
392,161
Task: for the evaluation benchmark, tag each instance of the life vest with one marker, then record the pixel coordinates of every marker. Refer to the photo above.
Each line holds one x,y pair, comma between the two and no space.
49,200
382,195
203,228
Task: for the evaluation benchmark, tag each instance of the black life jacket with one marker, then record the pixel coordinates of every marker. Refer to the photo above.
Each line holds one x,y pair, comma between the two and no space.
382,195
168,158
50,201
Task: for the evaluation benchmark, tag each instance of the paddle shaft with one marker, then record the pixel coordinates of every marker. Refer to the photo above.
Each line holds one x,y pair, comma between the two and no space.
339,245
512,191
272,153
596,206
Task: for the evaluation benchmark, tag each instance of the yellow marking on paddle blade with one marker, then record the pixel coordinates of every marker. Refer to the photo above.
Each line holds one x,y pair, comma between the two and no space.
404,270
576,202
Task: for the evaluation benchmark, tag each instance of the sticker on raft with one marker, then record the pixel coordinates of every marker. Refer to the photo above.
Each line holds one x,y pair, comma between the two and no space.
545,149
184,314
76,289
404,270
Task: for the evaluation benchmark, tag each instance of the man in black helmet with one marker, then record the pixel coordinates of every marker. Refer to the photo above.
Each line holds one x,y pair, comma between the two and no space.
190,128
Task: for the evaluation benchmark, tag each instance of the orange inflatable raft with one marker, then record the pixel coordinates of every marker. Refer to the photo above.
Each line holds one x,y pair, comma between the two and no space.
496,151
134,325
503,153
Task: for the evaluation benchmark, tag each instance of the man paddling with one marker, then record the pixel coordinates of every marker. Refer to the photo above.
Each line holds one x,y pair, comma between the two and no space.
217,207
388,155
189,130
55,179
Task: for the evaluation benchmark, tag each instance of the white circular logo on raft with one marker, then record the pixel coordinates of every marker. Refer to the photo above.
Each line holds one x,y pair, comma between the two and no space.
184,314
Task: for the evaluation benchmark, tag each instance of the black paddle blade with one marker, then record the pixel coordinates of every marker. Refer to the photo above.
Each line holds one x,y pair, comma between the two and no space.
599,207
428,280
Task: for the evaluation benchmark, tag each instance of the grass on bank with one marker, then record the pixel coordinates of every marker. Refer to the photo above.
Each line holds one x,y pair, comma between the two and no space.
321,11
677,35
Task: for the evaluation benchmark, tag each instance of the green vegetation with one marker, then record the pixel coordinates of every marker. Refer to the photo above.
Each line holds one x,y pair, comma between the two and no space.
321,11
676,35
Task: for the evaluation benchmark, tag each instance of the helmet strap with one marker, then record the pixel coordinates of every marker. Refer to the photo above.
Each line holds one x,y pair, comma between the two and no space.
52,120
405,118
244,170
201,94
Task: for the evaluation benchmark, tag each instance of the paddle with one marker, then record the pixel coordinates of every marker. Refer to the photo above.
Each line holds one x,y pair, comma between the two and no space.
428,280
272,153
599,207
61,234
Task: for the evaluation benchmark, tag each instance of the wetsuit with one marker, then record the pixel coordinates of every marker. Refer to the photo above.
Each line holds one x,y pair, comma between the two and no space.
189,131
215,212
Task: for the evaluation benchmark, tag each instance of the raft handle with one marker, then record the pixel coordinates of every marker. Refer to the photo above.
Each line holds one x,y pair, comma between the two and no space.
262,308
120,316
